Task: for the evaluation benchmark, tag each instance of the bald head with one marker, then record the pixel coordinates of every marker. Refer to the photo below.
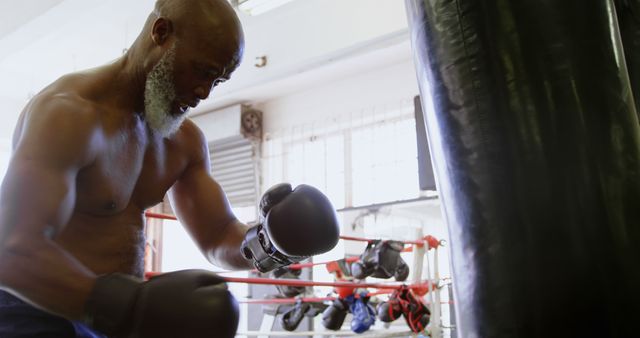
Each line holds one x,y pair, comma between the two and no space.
196,43
207,23
203,16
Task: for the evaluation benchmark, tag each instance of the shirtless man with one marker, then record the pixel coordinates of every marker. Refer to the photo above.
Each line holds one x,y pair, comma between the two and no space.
93,150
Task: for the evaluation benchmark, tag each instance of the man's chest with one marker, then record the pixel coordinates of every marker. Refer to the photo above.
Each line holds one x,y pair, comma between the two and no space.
131,174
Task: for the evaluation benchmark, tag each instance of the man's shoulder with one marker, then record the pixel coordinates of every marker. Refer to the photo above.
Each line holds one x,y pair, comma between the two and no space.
63,109
190,135
192,141
191,130
63,121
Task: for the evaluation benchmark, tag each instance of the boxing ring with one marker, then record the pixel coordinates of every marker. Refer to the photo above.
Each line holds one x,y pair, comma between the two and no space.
425,283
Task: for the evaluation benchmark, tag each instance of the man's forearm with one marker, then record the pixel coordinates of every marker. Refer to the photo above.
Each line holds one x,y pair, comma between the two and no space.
227,255
46,276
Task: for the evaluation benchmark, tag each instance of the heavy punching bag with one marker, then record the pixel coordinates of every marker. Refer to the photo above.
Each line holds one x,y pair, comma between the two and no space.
536,146
628,12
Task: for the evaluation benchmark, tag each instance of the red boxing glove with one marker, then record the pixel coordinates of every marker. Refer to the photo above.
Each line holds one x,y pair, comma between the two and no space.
412,308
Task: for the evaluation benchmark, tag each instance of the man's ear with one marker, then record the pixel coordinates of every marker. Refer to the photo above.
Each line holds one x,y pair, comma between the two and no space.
161,31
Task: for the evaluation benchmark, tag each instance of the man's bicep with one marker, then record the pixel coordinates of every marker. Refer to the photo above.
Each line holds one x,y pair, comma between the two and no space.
198,198
56,141
36,196
202,207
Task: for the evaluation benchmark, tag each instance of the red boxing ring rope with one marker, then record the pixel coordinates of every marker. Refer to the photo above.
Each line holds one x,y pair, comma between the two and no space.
297,282
360,239
299,266
160,216
431,241
287,300
303,300
307,299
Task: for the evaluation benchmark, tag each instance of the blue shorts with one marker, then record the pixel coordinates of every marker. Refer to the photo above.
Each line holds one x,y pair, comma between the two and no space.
21,320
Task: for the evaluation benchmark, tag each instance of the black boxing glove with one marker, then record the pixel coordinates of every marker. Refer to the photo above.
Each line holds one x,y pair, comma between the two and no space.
389,311
286,273
333,316
360,270
295,224
291,319
189,303
402,272
381,259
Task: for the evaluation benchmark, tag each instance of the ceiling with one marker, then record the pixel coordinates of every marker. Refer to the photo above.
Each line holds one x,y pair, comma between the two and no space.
57,37
40,40
18,13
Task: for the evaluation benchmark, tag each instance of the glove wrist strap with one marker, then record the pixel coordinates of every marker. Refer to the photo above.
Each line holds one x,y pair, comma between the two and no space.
257,247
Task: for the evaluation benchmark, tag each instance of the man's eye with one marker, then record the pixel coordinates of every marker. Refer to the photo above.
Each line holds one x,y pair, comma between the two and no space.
205,74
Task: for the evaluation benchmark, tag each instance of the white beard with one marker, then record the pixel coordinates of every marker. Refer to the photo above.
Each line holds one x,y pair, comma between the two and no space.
159,96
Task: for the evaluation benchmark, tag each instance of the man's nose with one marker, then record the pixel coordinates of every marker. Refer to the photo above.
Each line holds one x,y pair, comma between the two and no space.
202,92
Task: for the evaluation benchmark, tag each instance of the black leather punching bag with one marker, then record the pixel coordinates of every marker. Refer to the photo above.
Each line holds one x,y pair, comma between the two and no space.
629,21
536,146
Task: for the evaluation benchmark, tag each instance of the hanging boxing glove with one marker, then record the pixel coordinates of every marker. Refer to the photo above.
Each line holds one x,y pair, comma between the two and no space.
364,315
381,259
315,309
288,291
361,270
415,311
390,310
292,318
386,258
333,317
402,272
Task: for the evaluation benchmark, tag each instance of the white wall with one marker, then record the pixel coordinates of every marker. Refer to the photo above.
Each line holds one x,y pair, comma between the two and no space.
6,130
10,110
5,155
390,84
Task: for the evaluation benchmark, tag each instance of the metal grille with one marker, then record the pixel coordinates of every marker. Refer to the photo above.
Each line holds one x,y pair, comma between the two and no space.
234,166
